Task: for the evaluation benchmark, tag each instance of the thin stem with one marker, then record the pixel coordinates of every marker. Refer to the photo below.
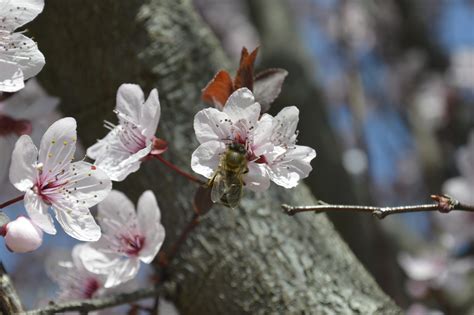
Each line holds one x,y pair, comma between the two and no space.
98,303
10,202
443,204
168,256
178,170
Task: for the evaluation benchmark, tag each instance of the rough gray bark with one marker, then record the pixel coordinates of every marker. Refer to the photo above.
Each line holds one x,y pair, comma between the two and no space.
252,260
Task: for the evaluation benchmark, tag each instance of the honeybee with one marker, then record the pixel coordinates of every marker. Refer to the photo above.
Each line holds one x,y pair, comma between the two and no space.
227,182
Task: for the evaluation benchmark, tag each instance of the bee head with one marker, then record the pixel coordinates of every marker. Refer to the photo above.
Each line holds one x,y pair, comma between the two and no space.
237,147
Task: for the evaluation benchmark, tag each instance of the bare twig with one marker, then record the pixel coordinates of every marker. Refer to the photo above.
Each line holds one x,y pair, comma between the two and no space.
9,300
443,204
10,202
99,303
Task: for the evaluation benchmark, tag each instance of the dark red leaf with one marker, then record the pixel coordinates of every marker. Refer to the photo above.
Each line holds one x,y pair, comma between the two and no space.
244,76
218,90
267,86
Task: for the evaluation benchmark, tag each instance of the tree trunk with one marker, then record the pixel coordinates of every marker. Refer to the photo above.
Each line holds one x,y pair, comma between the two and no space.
251,260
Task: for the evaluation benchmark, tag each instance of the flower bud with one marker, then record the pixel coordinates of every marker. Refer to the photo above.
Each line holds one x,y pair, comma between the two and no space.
21,235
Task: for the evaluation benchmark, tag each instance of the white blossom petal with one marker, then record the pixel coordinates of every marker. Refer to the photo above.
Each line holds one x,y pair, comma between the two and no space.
295,165
88,184
241,105
24,52
77,221
285,124
130,100
206,158
114,159
257,178
118,269
261,143
116,208
212,124
58,146
37,210
18,12
149,222
150,114
11,76
24,157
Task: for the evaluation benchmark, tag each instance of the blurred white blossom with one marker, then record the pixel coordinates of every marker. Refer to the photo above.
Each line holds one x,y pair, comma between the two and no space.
128,237
462,187
462,69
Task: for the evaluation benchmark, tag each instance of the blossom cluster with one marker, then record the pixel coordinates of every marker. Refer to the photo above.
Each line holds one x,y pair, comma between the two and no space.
41,162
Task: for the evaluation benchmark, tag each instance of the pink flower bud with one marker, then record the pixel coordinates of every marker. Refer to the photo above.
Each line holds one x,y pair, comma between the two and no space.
21,235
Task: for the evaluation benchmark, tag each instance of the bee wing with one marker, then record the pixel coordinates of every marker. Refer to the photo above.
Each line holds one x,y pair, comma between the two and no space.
233,191
218,187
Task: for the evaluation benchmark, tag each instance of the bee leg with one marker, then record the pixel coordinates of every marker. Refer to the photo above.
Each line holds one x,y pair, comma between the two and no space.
246,170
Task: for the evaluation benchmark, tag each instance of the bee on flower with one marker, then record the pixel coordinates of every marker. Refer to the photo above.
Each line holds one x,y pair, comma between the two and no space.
239,147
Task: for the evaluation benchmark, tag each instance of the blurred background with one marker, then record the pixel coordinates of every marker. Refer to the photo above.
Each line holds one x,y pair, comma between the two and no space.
386,94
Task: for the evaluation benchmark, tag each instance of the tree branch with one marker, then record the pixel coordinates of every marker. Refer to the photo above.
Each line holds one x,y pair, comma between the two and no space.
9,300
99,303
443,204
12,201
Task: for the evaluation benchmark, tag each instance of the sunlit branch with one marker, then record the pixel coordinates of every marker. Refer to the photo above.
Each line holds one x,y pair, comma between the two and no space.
10,202
99,303
443,204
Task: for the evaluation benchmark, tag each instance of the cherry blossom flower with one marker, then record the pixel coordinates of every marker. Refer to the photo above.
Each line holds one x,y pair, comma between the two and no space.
128,237
74,281
20,58
29,111
287,163
122,150
437,270
49,178
22,235
269,141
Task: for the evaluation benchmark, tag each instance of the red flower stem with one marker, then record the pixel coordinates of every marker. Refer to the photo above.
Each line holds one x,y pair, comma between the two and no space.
10,202
179,171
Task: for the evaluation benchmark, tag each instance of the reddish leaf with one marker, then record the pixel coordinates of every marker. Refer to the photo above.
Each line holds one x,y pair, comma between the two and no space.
202,202
267,86
218,90
244,76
